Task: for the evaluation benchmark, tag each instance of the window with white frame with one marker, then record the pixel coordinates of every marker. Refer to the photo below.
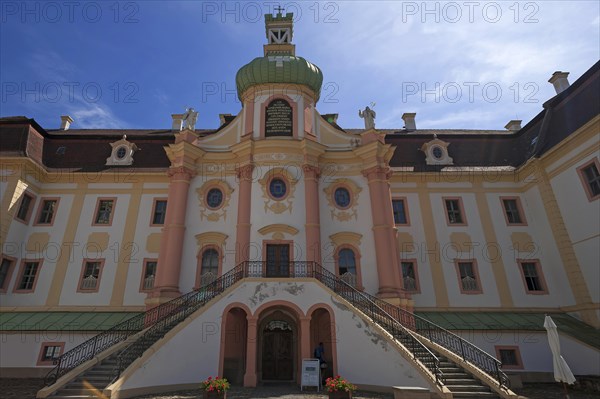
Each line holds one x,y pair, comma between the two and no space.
47,211
28,277
469,280
90,278
409,276
149,275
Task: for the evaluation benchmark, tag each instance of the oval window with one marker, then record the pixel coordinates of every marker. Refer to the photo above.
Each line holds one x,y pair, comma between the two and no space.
342,197
121,152
277,188
437,152
214,198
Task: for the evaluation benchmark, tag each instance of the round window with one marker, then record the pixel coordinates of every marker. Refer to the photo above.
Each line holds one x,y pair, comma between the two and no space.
214,198
121,152
342,197
277,188
437,152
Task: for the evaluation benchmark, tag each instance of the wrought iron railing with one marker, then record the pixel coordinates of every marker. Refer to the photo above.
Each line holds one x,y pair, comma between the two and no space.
409,321
154,320
448,340
398,322
434,333
190,303
379,315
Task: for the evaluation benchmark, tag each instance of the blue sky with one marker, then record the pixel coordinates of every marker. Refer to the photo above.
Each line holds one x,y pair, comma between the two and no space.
131,64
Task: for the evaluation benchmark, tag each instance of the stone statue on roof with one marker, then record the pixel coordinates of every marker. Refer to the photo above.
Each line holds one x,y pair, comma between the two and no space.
189,119
369,116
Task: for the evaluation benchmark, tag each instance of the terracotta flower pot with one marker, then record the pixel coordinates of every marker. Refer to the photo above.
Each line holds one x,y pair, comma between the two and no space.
214,395
340,395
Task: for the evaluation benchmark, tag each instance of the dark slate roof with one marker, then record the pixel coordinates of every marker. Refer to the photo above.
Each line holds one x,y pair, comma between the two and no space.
562,115
89,153
87,149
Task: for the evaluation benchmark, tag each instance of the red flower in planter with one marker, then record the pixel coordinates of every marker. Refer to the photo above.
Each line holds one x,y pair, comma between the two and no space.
215,384
339,384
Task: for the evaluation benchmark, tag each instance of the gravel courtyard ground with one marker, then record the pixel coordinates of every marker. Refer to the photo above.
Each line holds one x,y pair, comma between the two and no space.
27,388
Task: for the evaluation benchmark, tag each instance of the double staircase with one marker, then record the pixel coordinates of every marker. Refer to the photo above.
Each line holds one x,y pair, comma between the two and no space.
420,337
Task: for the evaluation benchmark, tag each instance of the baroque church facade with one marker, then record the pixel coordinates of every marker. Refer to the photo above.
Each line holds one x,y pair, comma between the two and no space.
139,261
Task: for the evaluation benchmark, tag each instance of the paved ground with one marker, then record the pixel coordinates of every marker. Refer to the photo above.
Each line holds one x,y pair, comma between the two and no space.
27,388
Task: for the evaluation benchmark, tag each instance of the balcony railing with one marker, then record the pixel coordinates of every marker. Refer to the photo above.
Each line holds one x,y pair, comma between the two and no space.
400,323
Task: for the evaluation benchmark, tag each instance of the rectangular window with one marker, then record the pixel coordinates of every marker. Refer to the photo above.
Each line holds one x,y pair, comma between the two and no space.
590,178
90,276
159,212
25,207
148,275
454,211
6,267
47,211
513,211
400,214
104,212
509,356
28,276
49,352
410,278
468,276
533,277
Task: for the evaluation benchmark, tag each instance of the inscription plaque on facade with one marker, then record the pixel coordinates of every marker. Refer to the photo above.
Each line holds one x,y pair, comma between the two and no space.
279,119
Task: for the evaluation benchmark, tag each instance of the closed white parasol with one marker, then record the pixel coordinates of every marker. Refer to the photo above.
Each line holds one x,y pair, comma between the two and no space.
562,372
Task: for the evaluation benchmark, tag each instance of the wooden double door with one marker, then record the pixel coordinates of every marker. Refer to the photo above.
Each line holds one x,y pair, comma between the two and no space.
278,260
278,355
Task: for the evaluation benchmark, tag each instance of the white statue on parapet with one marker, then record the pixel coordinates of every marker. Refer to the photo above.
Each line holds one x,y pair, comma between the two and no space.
189,119
369,116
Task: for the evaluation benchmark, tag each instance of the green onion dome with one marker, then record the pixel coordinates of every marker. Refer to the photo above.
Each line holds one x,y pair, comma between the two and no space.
279,69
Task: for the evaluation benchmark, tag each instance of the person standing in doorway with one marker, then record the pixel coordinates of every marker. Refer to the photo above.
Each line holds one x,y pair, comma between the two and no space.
320,353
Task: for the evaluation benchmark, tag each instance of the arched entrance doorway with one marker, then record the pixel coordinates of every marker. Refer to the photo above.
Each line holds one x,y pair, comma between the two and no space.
278,346
322,329
233,344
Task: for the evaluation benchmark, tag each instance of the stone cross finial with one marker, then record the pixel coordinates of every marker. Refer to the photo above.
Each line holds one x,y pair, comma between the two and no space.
279,9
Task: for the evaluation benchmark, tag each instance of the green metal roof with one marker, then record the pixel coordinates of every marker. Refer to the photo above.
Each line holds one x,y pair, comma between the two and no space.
293,70
61,321
514,321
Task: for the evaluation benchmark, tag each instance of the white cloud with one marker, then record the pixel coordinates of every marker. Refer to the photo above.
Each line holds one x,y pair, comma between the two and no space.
95,116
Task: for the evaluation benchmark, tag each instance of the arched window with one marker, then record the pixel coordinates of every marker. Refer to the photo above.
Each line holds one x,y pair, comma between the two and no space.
347,265
210,266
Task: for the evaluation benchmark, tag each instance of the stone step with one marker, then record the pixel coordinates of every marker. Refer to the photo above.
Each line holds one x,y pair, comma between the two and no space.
461,381
111,363
468,388
451,370
76,391
105,367
78,384
73,396
477,395
99,371
457,375
447,364
94,379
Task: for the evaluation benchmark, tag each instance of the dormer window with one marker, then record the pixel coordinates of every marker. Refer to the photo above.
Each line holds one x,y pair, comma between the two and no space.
122,152
436,152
